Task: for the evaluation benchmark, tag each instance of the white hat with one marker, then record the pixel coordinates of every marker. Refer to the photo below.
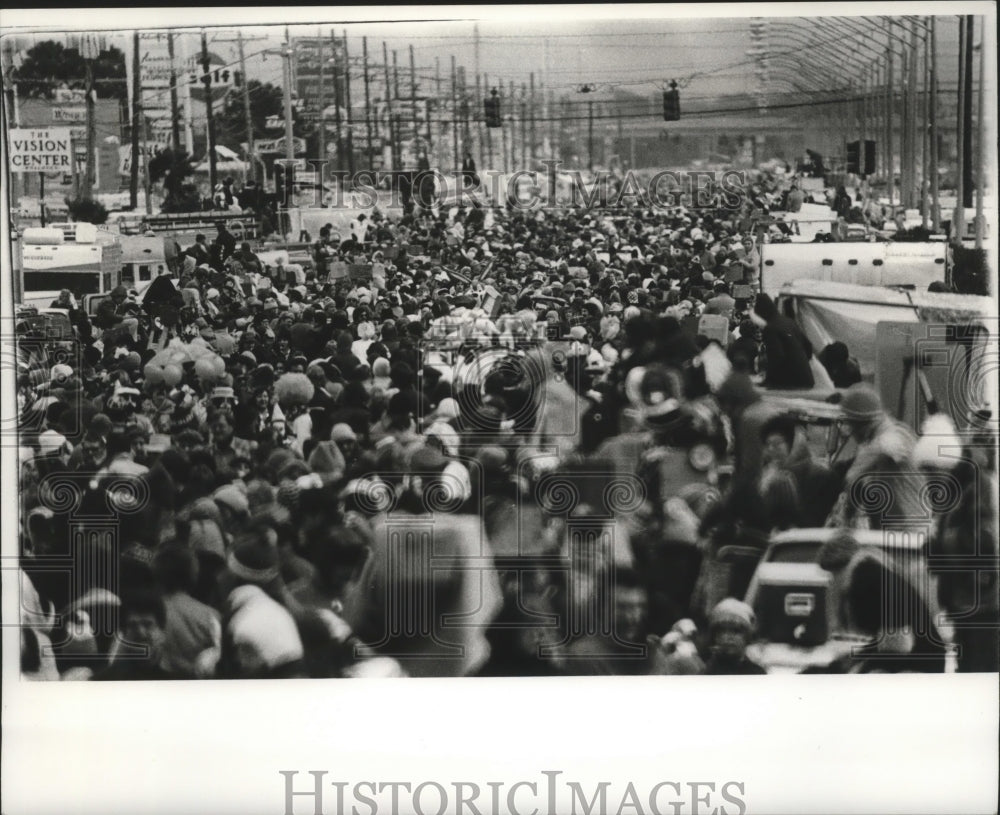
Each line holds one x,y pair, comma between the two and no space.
447,409
60,373
446,434
939,445
456,476
262,630
50,441
211,294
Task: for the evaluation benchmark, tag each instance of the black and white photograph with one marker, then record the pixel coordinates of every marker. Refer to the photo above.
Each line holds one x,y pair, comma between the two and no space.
518,348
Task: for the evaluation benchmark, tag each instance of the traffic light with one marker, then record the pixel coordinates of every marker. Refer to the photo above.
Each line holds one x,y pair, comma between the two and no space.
491,106
854,158
869,167
671,104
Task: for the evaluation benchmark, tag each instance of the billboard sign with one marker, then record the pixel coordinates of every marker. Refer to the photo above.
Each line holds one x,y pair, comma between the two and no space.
41,150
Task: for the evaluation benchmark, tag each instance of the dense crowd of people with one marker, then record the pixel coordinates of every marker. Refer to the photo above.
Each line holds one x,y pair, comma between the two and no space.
392,460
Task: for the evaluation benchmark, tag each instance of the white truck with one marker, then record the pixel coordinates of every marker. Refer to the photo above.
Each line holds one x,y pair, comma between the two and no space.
79,257
857,263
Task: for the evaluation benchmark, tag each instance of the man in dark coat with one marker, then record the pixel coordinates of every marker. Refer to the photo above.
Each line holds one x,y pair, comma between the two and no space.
786,348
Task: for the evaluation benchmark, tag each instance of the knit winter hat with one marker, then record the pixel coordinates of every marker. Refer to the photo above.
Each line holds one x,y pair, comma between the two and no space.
733,612
205,536
255,558
861,403
343,432
233,498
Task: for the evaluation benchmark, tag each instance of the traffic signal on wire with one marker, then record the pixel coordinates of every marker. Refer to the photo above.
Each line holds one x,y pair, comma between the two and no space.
858,164
671,104
853,158
491,106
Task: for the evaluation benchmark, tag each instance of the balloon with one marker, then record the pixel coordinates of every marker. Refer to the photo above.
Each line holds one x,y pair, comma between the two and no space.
153,373
131,362
224,344
199,350
204,369
172,375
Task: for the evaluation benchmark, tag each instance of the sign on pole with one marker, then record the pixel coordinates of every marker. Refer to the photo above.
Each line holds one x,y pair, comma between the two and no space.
40,150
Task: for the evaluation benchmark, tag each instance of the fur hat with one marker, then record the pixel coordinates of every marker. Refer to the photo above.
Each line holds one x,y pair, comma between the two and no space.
294,389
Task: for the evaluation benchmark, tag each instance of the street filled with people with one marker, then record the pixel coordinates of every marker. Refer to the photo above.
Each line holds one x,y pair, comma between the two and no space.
478,441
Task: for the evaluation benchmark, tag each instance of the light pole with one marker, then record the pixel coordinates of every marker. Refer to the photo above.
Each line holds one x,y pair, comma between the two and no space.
590,125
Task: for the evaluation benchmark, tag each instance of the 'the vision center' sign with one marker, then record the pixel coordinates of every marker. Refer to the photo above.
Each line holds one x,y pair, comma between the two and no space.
41,150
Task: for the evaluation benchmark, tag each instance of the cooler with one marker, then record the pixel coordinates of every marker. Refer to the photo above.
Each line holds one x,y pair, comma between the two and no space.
793,604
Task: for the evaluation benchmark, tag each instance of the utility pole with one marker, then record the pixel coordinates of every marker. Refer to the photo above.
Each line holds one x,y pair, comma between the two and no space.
388,105
207,79
475,40
321,101
932,120
958,218
368,101
489,135
890,104
90,173
555,127
504,105
980,140
133,187
145,165
457,163
906,187
413,101
926,201
477,105
914,143
590,135
337,118
513,129
465,136
248,119
395,75
437,102
175,124
531,113
349,107
967,116
524,126
398,141
289,137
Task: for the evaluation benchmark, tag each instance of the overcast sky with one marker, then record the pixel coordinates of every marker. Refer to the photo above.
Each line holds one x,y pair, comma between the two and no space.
563,48
707,55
